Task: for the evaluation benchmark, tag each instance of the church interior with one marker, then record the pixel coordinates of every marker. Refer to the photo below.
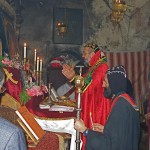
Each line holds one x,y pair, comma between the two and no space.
38,36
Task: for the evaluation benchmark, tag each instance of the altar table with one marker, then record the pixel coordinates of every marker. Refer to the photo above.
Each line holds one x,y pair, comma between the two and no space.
33,107
53,121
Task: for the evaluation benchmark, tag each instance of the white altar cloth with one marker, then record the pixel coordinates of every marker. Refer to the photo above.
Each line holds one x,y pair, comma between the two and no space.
63,126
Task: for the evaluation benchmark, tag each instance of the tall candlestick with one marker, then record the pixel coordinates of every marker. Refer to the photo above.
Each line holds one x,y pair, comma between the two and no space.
41,65
37,67
91,118
35,55
25,51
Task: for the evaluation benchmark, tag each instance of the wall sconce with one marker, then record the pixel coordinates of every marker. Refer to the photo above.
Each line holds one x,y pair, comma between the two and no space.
61,28
118,11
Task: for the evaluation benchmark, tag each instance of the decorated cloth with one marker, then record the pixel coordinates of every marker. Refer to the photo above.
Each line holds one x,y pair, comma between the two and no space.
92,100
122,129
13,82
57,62
64,126
50,141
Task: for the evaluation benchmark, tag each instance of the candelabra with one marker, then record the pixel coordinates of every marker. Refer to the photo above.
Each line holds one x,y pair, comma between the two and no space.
118,11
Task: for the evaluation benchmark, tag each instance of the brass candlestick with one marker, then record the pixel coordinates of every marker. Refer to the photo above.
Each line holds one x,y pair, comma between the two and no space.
40,79
34,69
49,93
24,64
37,77
24,61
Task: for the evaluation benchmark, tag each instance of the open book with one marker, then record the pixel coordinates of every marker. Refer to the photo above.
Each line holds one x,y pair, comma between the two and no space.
29,124
61,108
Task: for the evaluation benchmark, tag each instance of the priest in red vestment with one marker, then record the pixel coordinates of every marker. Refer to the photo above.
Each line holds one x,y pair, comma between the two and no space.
95,107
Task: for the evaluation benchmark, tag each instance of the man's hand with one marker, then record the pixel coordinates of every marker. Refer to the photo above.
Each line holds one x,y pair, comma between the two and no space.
80,126
98,127
68,71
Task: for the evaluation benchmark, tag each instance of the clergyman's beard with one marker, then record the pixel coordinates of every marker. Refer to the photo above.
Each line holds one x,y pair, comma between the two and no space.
108,93
87,60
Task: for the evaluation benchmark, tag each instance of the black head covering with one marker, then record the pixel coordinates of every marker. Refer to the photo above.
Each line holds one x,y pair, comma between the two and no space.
117,79
93,46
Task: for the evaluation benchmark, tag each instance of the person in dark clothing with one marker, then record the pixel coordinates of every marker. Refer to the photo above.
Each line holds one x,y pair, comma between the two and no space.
122,129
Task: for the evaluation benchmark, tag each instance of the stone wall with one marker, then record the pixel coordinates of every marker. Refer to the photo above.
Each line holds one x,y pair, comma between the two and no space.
132,34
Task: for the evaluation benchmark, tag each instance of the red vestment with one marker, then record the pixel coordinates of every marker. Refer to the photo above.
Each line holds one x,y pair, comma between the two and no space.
93,100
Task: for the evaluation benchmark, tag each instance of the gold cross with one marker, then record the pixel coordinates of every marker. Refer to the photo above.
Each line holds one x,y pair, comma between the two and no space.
9,76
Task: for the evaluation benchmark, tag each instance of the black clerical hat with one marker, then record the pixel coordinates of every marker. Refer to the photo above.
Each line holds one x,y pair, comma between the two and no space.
117,79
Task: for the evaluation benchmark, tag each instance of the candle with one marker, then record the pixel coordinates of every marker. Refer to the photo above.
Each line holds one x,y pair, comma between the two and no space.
37,67
25,50
40,64
91,118
35,55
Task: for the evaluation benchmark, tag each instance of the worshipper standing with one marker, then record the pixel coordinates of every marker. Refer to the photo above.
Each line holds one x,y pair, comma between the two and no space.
11,136
95,107
122,129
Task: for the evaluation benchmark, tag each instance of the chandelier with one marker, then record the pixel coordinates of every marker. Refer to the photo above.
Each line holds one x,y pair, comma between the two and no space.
118,11
61,28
